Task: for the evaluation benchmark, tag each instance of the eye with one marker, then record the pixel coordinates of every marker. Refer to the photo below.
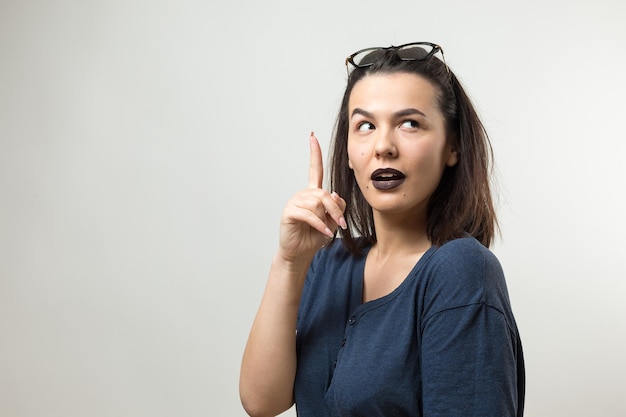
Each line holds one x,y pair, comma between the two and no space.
364,126
410,124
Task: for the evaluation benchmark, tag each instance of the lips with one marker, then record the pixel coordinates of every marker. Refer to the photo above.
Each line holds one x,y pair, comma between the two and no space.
387,178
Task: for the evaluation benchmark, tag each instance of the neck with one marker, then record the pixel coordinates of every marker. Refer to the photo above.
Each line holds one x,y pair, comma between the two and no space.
400,235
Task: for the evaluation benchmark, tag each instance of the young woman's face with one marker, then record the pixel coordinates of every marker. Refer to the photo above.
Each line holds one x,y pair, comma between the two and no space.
397,144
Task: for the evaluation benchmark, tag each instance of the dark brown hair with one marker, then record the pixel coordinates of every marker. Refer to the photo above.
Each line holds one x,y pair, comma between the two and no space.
462,203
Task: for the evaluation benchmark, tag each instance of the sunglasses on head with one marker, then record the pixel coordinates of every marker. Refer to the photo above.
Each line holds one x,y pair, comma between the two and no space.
414,51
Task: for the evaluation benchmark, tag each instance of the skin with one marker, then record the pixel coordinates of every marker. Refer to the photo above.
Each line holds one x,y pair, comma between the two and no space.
395,122
269,362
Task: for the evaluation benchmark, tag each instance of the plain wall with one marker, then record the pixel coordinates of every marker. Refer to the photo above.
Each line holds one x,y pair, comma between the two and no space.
147,149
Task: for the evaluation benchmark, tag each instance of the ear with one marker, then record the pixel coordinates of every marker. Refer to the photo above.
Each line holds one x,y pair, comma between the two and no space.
453,158
350,164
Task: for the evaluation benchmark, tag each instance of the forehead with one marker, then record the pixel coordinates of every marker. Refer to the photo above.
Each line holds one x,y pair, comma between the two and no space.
394,90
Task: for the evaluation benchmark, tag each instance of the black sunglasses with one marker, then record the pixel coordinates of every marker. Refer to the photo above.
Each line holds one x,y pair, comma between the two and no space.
415,51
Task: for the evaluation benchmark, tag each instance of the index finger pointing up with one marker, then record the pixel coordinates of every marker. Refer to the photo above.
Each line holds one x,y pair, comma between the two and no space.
316,167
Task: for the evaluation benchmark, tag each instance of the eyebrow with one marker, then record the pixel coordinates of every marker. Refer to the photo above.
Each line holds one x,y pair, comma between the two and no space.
397,115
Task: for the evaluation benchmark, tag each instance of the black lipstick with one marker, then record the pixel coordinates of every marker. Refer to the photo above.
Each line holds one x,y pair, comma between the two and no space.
387,178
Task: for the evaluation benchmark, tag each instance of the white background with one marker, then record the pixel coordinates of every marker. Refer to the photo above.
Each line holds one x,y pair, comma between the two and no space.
147,149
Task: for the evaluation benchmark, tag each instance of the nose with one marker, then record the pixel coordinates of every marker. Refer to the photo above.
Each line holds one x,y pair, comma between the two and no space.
385,145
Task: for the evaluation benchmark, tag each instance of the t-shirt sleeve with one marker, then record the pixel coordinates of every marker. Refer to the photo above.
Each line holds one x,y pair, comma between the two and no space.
469,364
470,351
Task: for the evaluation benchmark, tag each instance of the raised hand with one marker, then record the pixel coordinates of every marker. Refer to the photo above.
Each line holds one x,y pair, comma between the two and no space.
312,215
269,363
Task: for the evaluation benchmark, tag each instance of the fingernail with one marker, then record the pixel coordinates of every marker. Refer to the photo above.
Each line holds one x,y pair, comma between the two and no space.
329,233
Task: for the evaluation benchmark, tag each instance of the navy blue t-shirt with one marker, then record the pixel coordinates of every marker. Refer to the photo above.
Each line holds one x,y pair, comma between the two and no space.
444,343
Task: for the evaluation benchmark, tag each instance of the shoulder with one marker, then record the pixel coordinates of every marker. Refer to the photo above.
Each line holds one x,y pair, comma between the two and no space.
335,256
332,269
463,272
464,251
333,282
465,258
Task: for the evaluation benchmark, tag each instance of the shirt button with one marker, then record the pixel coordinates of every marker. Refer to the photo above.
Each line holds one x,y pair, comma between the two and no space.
352,320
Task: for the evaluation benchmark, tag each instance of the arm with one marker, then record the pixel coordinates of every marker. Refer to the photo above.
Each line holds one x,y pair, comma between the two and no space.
470,363
269,362
472,359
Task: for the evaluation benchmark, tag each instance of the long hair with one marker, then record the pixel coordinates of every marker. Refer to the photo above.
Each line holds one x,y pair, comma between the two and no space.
462,203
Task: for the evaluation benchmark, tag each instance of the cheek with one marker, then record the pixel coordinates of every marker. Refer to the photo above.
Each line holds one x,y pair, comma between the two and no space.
353,154
358,164
429,163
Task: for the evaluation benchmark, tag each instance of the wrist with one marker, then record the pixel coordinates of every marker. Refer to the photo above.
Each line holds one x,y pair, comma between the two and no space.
298,265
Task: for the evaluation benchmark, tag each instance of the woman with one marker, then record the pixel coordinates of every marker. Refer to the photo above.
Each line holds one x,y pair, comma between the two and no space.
407,314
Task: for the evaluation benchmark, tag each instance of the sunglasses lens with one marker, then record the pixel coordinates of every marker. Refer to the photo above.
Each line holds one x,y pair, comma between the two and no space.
368,57
414,52
411,52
